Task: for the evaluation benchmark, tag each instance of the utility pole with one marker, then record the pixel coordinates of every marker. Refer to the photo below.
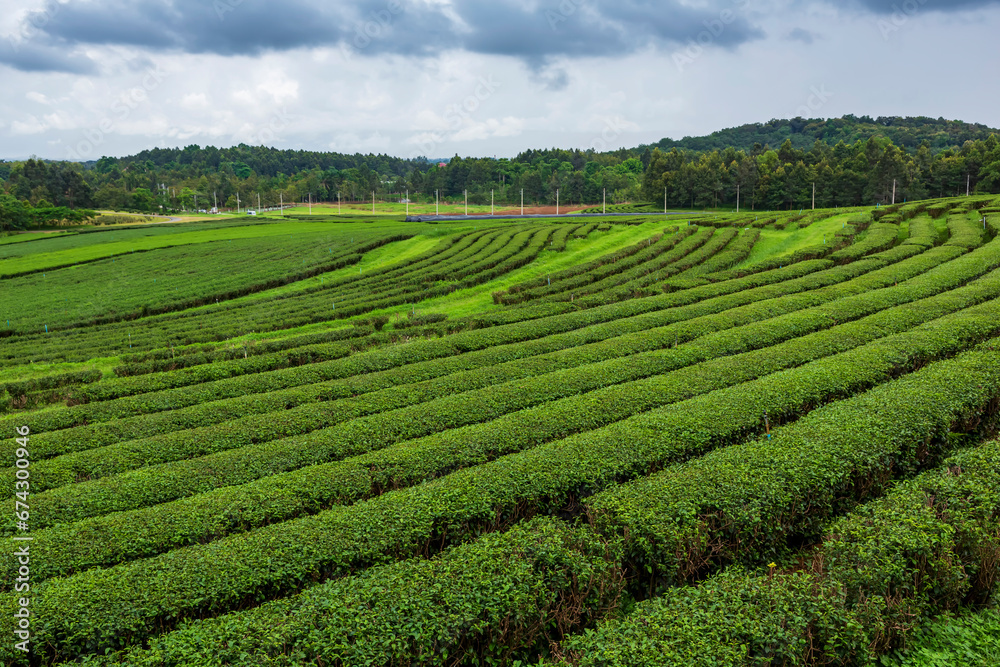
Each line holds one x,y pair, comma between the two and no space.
258,202
310,203
407,202
522,201
894,191
968,183
215,201
664,200
466,202
373,202
237,203
605,201
737,197
281,197
338,203
437,204
814,194
557,201
491,203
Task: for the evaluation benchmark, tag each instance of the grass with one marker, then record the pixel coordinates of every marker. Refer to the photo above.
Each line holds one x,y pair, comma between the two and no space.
469,301
773,242
21,238
479,299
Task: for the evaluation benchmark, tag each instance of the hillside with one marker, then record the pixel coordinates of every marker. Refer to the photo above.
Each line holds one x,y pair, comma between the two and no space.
908,133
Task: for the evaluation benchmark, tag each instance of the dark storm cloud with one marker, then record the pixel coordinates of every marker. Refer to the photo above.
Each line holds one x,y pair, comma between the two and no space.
597,27
34,56
891,6
535,33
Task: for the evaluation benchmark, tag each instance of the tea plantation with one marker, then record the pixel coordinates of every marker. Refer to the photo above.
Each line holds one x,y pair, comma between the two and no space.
685,440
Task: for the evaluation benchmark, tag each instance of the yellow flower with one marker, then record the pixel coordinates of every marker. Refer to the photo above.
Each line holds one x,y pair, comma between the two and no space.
772,565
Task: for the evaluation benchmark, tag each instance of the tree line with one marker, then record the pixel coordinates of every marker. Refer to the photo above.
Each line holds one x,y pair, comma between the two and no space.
867,171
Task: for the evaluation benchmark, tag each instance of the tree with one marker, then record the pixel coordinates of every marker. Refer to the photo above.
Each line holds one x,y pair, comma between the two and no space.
142,200
13,213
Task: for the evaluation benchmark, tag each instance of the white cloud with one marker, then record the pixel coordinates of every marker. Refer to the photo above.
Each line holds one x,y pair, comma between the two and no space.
194,101
30,126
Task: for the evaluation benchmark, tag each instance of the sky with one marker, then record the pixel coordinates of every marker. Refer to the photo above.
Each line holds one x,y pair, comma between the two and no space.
80,79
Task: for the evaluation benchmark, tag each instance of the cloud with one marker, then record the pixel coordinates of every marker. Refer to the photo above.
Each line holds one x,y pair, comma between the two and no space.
553,79
891,6
535,32
30,126
36,56
802,35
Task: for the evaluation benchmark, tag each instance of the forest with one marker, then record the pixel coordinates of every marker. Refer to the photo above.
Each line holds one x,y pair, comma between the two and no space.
848,162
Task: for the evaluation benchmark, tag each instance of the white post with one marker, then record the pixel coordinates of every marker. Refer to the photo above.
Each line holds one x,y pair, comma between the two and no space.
466,202
522,201
215,202
491,202
737,197
310,203
557,201
968,182
258,203
605,201
894,191
437,205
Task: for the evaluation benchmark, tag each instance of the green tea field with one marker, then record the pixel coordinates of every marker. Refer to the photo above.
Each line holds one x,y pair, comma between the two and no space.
756,438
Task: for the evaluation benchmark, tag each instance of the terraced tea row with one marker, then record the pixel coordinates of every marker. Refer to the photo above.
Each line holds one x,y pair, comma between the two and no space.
123,605
462,264
314,488
680,412
964,270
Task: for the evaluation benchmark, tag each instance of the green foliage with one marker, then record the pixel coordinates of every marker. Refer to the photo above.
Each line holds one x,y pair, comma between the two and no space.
364,493
677,375
971,640
929,545
497,601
